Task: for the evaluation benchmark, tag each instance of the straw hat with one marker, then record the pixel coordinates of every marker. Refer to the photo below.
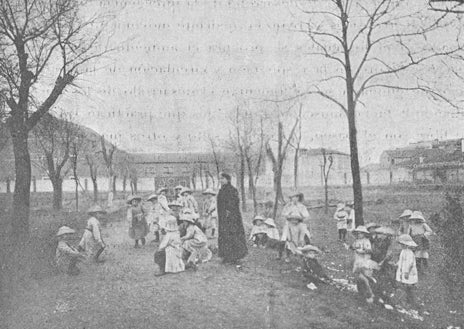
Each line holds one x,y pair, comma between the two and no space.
308,248
340,206
294,215
350,203
171,224
361,229
178,187
342,214
152,197
384,230
257,218
417,215
175,203
96,209
162,189
185,190
187,217
133,197
65,230
406,213
372,225
298,194
209,191
407,240
270,222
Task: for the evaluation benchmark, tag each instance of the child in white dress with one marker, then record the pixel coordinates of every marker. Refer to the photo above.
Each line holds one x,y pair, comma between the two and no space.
171,248
406,273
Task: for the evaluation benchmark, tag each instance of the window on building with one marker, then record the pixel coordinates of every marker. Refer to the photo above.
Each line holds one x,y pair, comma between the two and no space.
168,170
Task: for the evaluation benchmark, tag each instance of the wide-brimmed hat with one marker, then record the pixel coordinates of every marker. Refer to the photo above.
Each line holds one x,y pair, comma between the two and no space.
407,240
96,209
209,191
171,224
162,189
187,217
340,206
185,190
178,187
417,215
308,248
132,198
296,193
257,218
270,222
65,230
341,214
406,213
385,230
361,229
152,197
294,215
349,203
175,203
372,225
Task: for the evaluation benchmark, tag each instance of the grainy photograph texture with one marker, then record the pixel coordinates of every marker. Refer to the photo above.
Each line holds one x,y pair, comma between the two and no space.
231,164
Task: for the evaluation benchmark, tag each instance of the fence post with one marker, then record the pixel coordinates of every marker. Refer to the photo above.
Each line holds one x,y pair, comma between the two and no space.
8,185
34,184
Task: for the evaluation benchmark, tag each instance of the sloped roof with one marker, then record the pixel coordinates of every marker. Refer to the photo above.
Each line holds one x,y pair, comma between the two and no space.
318,151
172,157
416,153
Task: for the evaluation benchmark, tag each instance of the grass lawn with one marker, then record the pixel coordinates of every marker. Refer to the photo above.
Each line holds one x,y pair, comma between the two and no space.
124,293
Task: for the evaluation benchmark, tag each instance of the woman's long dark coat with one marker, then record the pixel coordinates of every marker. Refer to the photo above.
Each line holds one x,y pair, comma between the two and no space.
231,239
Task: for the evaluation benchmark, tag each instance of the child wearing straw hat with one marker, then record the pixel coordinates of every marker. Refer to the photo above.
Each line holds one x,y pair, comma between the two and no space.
404,221
258,232
137,219
341,216
66,256
194,242
295,234
406,273
271,230
169,254
296,206
153,216
312,270
210,211
420,233
91,241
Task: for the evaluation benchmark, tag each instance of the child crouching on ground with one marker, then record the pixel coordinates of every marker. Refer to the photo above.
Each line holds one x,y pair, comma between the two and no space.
194,242
312,270
67,256
258,232
406,273
169,254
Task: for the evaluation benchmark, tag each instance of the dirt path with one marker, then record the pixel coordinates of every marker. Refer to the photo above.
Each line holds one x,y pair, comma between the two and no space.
123,293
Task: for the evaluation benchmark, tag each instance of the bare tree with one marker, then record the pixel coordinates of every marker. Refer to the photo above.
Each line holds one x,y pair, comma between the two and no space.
278,158
107,151
327,162
352,36
447,6
91,158
216,156
54,137
296,146
38,40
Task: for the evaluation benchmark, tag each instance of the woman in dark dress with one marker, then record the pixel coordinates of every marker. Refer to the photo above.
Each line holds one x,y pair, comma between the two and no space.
231,238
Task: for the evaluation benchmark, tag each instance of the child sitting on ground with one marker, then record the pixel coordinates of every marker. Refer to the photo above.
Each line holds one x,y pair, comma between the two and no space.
406,273
312,270
67,256
258,232
295,234
271,230
169,254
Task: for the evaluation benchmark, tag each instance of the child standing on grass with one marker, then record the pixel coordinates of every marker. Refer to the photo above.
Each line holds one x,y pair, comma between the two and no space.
136,217
258,232
406,274
168,257
210,211
92,241
153,216
341,216
420,232
404,221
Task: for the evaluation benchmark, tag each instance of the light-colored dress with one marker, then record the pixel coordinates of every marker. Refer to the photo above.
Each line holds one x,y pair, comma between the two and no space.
418,231
407,264
294,235
196,242
351,218
210,212
65,254
341,216
153,217
362,253
172,245
273,233
164,211
189,202
258,229
92,240
298,208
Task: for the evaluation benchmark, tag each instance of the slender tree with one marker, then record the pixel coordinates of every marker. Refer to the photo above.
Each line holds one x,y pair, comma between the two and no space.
356,40
327,162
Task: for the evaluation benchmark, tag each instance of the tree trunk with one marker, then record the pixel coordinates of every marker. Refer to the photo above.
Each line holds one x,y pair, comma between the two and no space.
113,188
57,183
326,194
252,187
242,182
295,168
355,170
22,190
124,183
95,189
